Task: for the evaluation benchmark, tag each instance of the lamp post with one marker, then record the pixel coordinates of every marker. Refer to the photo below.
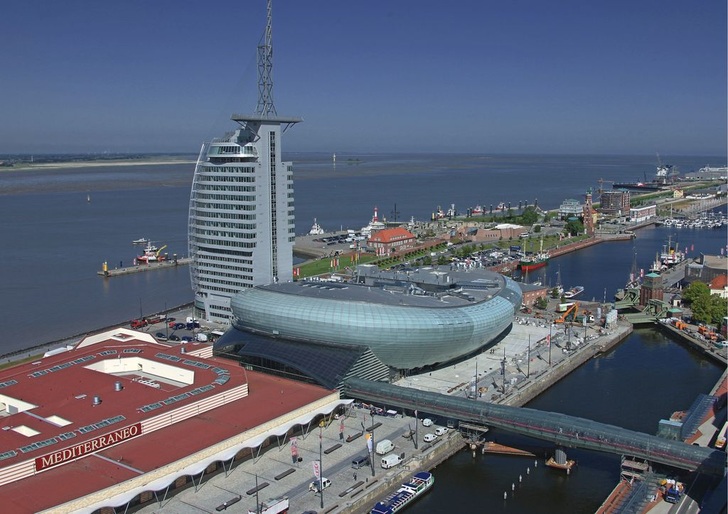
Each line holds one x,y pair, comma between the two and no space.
371,450
321,462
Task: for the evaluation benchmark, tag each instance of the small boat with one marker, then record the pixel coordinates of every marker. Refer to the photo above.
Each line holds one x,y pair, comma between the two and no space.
476,211
140,241
419,484
574,291
316,229
152,254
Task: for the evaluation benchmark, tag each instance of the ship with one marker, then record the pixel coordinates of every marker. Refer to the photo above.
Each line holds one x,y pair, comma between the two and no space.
665,175
534,262
419,484
316,229
152,254
476,211
574,291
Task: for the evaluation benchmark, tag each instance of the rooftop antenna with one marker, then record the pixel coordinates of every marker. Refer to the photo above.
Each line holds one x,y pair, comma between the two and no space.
265,106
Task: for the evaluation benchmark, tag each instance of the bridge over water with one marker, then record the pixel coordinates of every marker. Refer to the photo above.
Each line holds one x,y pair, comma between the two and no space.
561,429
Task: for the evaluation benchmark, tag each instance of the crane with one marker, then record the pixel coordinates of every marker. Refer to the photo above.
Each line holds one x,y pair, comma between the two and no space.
160,250
601,181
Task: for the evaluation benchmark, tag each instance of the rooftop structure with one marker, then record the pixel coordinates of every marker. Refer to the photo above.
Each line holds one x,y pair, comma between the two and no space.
101,424
241,221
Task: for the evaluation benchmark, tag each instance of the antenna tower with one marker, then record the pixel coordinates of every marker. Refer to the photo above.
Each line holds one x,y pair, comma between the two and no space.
265,106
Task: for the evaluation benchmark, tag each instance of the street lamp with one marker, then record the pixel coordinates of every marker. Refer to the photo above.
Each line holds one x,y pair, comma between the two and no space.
321,461
371,450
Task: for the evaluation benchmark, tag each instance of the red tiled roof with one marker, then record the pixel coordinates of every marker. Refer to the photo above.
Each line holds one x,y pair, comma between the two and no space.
68,392
719,282
391,234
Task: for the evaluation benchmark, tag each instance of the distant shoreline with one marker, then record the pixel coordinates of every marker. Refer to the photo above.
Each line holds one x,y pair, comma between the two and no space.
94,164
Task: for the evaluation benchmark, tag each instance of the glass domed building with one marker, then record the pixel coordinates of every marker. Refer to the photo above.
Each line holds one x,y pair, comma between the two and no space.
407,319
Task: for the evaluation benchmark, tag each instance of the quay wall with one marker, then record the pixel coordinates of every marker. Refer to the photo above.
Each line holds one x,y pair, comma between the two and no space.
706,348
362,503
537,384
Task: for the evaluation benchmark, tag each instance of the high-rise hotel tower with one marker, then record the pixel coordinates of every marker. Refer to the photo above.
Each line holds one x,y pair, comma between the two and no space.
241,222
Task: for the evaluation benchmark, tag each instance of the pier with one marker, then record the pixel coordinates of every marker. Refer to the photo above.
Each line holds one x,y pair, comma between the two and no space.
140,268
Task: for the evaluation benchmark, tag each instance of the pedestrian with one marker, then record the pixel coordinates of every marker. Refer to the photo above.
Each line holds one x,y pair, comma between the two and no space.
354,476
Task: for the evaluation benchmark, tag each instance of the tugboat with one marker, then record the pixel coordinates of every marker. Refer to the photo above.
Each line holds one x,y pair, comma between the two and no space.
152,254
419,484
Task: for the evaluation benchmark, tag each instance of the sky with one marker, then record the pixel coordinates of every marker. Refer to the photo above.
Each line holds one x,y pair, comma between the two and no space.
472,76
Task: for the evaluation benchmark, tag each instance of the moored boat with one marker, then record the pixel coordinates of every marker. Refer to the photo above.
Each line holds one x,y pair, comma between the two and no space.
535,261
140,241
316,229
419,484
152,254
574,291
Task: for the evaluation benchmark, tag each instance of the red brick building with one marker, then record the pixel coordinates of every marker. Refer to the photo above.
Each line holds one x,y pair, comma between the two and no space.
390,240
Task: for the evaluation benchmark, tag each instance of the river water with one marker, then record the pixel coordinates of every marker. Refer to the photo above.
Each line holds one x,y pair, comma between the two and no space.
59,227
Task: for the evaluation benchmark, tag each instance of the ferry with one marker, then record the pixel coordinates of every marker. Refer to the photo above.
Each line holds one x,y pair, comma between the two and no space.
419,484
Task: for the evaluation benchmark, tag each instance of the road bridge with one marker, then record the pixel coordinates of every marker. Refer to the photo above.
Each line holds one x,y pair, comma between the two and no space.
561,429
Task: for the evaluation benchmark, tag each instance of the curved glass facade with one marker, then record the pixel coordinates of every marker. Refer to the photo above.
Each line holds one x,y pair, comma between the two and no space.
401,336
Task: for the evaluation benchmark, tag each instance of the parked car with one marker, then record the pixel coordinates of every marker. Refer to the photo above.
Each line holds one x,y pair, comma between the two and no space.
173,338
161,336
314,486
427,422
187,339
441,431
429,438
360,462
179,326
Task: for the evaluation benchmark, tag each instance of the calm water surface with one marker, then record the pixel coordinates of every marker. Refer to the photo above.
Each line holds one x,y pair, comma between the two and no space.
56,240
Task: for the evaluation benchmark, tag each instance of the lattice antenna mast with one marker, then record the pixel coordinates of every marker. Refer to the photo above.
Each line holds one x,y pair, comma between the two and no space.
265,106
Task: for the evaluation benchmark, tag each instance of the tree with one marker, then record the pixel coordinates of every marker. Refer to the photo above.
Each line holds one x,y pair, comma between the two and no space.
529,216
541,302
706,308
695,291
574,227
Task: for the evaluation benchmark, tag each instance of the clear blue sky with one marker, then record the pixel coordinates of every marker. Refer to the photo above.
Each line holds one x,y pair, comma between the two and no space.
516,76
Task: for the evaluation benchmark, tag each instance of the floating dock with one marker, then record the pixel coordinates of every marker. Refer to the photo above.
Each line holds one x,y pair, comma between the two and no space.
139,268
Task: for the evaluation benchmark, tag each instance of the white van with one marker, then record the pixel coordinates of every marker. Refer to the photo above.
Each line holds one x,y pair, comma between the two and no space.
390,461
384,446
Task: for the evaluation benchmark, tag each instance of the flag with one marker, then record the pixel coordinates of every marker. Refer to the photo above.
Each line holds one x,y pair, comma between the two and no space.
369,441
317,469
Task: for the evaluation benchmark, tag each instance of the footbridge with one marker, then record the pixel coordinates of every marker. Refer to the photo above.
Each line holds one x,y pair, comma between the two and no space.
563,430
